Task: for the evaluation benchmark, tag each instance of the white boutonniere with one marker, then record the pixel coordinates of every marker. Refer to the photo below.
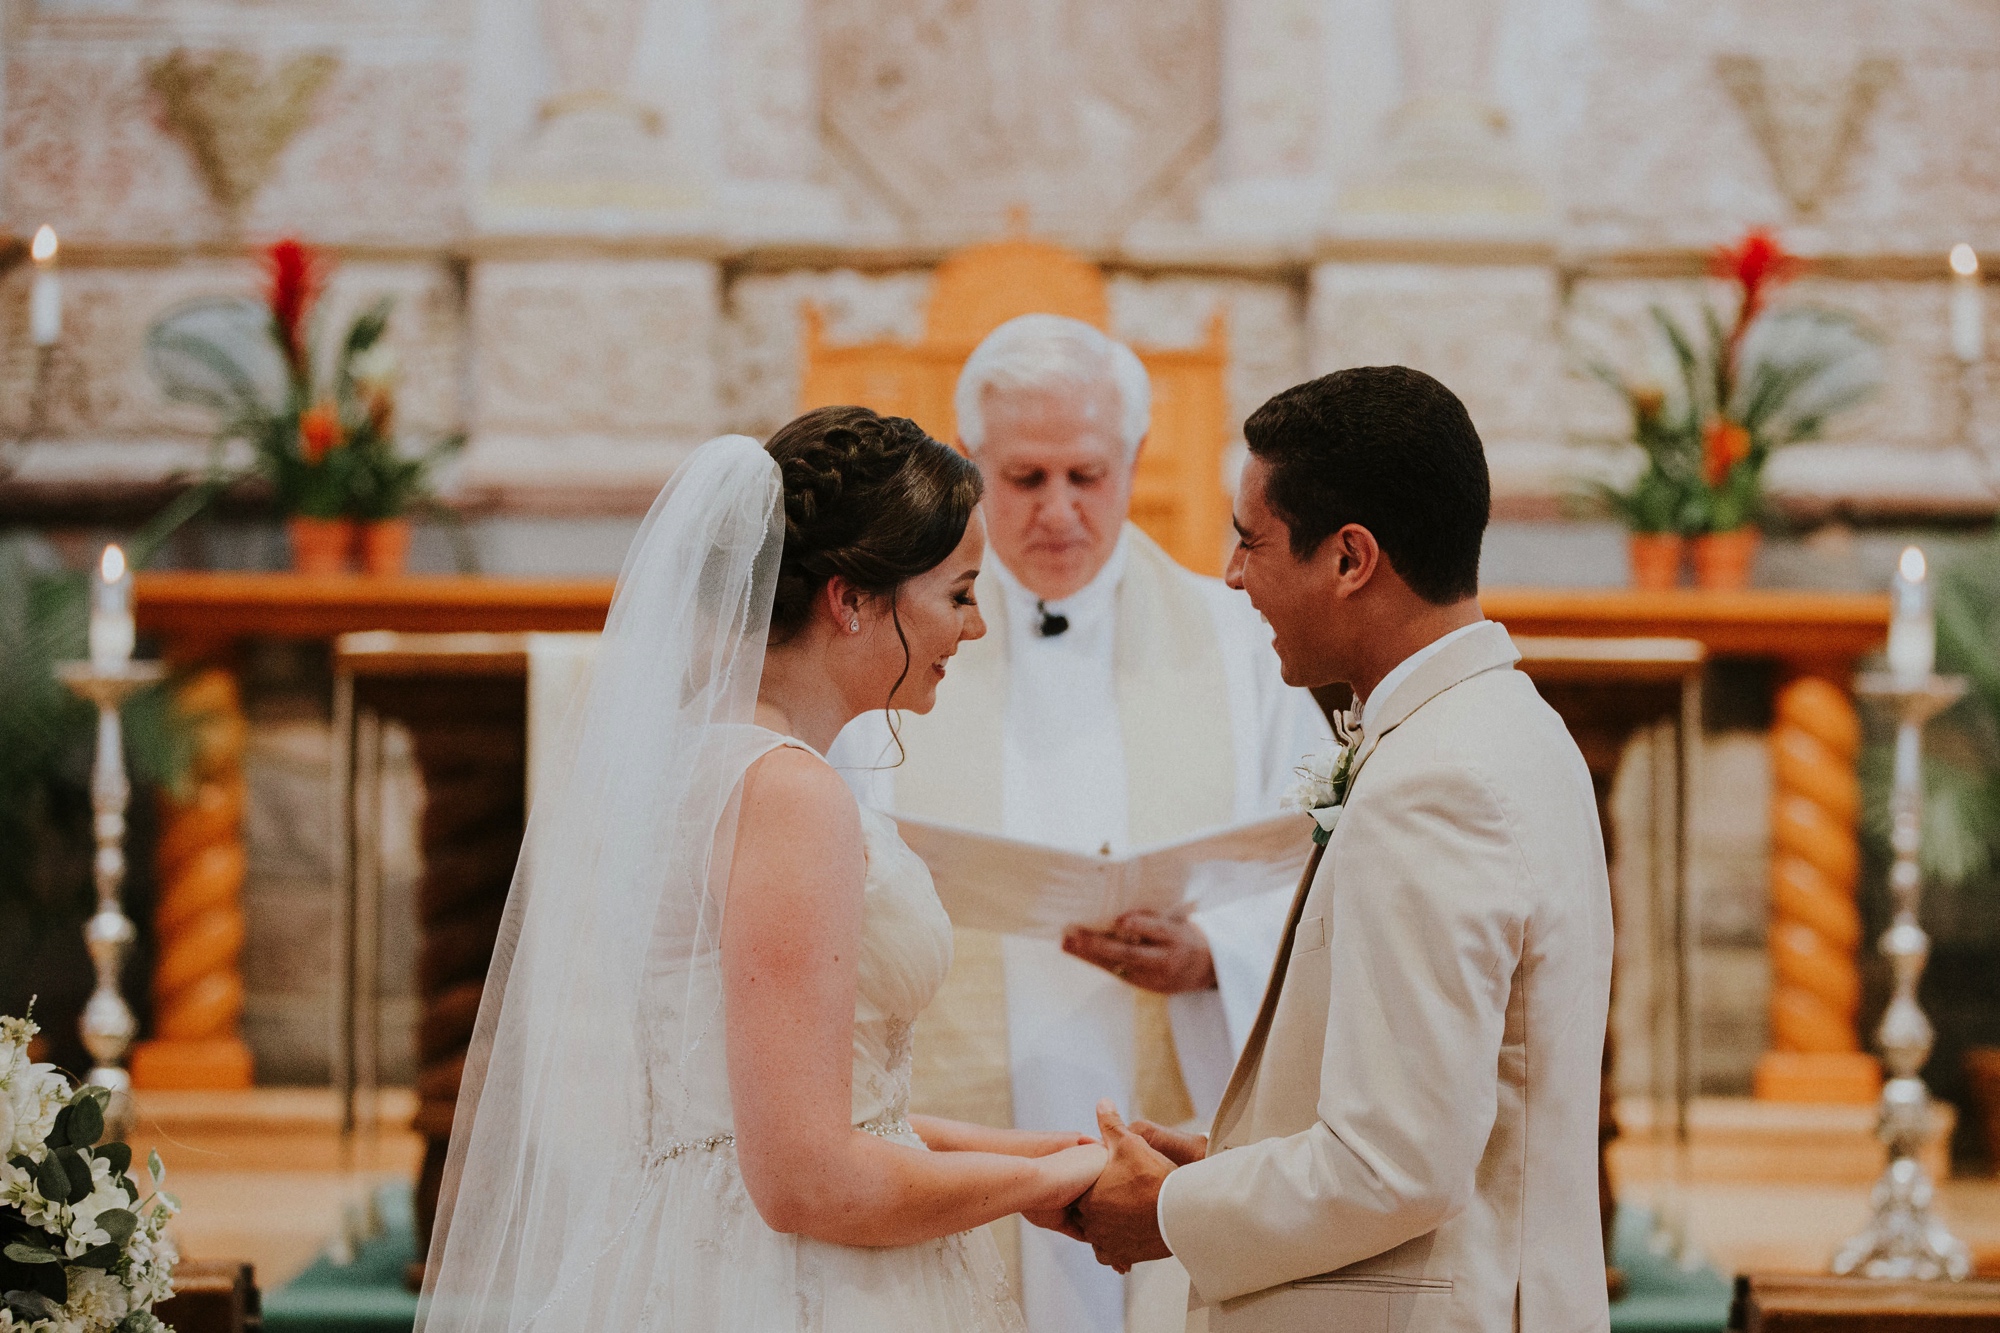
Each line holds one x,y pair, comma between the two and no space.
1321,789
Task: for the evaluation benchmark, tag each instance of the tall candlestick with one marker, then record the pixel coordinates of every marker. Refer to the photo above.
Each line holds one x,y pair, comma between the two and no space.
1913,625
111,629
45,295
1968,306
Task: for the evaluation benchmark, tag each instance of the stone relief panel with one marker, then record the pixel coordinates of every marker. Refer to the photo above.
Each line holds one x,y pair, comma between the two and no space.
1081,111
609,348
1666,154
1488,332
762,336
770,89
1266,326
378,158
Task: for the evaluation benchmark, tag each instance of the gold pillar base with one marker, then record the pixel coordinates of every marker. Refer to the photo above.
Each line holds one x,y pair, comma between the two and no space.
214,1063
1849,1077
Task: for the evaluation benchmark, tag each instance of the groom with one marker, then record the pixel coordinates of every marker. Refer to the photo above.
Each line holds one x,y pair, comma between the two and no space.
1409,1138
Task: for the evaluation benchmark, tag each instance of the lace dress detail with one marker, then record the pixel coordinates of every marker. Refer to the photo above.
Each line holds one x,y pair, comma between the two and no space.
698,1257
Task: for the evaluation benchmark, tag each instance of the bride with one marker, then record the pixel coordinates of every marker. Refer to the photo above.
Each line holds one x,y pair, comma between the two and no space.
685,1107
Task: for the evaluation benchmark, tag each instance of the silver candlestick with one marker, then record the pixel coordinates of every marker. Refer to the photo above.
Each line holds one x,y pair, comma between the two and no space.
1903,1239
108,1026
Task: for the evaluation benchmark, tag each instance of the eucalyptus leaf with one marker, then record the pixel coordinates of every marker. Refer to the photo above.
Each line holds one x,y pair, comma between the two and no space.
118,1156
78,1168
58,1134
118,1223
98,1256
155,1167
32,1304
21,1252
86,1123
52,1180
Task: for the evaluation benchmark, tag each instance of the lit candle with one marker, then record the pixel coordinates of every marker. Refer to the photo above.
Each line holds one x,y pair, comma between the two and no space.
1913,626
111,630
1968,306
45,296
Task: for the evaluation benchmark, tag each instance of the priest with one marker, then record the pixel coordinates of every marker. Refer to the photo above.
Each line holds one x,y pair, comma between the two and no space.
1117,701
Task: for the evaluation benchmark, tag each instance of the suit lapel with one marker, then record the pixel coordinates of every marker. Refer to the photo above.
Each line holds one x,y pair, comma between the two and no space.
1483,650
1253,1046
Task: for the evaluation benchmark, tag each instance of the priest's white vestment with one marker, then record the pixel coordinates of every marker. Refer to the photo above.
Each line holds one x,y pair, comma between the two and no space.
1158,711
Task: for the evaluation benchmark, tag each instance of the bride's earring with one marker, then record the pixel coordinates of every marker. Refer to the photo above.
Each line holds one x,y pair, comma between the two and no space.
854,625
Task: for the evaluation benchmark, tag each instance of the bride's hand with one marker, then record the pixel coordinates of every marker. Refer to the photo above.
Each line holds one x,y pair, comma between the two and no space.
1031,1143
1068,1173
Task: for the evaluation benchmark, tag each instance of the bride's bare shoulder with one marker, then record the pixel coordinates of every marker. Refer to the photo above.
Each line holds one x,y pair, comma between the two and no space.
799,791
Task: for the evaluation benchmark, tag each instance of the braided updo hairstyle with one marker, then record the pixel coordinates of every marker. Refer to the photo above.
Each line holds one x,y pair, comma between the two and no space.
870,498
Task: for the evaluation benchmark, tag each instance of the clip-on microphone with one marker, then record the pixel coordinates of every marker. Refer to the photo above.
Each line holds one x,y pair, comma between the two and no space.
1052,623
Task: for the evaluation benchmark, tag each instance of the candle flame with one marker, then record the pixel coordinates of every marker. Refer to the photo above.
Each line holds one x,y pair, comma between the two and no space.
1964,261
1911,566
112,567
44,247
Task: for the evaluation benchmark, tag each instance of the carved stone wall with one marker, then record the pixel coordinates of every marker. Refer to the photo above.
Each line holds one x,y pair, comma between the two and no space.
602,215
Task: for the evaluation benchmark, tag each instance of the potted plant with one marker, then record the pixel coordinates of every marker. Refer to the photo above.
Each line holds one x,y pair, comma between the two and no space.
1741,389
1655,505
321,436
388,484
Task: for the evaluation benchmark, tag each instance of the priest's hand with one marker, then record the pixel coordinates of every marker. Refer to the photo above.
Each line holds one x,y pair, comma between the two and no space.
1159,951
1120,1213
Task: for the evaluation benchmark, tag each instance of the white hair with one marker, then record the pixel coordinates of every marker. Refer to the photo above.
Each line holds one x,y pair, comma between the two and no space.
1053,352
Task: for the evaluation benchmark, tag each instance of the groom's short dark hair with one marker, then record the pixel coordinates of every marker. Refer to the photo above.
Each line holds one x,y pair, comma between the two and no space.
1388,448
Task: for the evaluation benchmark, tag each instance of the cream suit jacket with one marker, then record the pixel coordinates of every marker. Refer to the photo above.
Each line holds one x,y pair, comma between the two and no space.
1409,1140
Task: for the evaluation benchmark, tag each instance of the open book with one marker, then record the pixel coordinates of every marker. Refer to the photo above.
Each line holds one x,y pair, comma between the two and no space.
1026,888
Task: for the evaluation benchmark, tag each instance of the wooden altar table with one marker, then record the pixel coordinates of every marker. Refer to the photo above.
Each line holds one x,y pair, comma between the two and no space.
1812,638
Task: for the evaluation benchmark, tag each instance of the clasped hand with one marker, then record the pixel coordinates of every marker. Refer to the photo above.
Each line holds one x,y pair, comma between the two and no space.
1118,1216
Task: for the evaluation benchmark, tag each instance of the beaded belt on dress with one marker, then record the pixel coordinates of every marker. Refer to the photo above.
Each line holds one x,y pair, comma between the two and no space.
883,1127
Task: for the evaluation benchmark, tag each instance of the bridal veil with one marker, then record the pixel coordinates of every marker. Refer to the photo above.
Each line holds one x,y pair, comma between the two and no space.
604,977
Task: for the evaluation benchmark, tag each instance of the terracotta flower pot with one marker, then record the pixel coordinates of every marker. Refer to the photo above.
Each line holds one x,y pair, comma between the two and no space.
1656,559
320,546
385,547
1722,560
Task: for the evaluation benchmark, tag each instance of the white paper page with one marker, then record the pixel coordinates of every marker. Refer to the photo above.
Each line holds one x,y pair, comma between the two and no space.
990,882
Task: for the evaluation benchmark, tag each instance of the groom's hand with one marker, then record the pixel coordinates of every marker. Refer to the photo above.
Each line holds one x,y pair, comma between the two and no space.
1120,1213
1160,951
1178,1146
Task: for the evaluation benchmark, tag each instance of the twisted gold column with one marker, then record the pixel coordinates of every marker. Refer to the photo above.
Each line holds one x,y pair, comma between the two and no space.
1815,931
198,921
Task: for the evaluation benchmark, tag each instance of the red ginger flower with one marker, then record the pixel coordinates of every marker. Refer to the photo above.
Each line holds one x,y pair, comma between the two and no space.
1756,263
319,433
293,277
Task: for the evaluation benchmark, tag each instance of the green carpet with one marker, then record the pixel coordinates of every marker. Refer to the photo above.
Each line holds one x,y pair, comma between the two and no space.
367,1296
1659,1296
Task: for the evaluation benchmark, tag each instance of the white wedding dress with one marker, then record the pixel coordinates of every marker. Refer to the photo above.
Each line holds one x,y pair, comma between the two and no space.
592,1184
702,1258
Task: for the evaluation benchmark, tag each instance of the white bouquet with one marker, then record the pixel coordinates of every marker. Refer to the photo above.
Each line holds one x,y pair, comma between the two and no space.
79,1251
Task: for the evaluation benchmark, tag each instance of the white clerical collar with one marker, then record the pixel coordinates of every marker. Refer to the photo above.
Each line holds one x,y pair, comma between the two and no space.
1378,698
1091,604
